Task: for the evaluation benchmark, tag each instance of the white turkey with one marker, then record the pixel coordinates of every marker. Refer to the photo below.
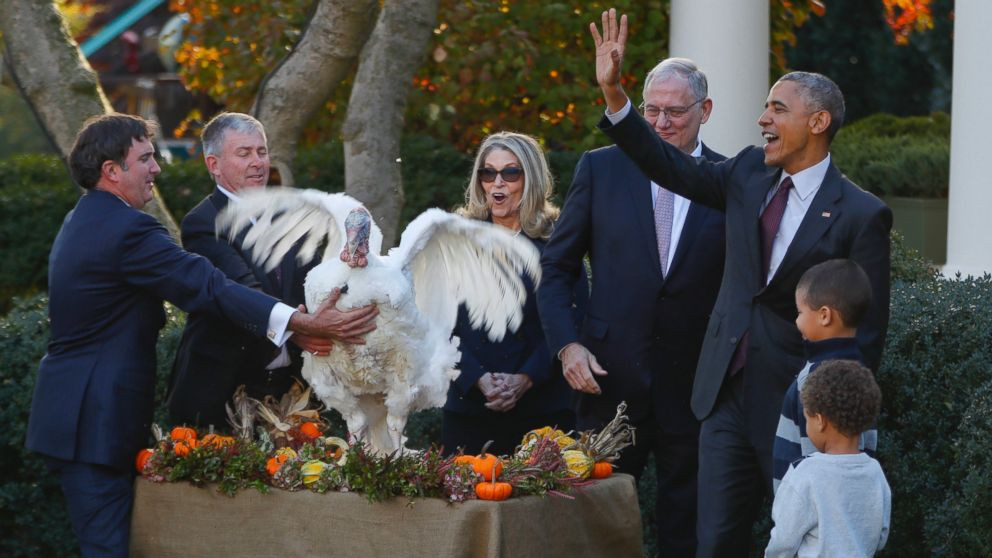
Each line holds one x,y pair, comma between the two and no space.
442,261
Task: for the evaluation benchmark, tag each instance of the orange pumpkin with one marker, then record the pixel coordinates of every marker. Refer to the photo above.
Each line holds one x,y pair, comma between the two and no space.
602,469
275,463
488,465
182,434
142,459
465,460
310,430
182,449
493,490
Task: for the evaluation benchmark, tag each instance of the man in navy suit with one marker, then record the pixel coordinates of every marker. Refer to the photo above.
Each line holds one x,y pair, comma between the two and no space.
787,208
655,276
236,154
109,270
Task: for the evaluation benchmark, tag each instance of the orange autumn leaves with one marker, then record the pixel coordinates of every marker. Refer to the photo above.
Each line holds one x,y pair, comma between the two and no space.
906,16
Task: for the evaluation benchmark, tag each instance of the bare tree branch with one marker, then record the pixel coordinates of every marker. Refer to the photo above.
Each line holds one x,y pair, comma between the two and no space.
374,123
55,79
298,86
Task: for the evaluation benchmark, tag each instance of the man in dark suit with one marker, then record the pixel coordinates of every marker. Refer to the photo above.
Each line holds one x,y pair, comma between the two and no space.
655,276
787,208
236,154
109,270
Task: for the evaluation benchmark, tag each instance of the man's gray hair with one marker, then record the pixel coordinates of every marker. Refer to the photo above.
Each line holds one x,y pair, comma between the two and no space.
820,93
215,130
682,67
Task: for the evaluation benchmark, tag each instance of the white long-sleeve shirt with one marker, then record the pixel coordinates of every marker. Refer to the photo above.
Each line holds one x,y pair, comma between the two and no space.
831,506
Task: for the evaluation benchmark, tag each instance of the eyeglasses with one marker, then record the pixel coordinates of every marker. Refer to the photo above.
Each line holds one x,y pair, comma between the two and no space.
509,174
672,113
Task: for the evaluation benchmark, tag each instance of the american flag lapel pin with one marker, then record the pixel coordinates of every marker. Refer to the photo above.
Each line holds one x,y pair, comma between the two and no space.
825,214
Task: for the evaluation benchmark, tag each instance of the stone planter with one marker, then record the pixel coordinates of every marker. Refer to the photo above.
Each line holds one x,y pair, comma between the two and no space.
923,223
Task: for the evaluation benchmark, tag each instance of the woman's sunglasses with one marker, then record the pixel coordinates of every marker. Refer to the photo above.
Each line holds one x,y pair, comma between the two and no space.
509,174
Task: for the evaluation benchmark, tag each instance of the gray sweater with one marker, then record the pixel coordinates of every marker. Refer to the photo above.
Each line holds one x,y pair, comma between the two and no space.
831,505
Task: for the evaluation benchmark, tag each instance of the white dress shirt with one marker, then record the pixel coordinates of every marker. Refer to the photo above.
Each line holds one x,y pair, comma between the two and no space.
681,209
806,183
278,318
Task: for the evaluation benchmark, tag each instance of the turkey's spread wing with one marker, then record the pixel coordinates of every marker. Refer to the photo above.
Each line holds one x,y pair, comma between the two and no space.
281,217
455,260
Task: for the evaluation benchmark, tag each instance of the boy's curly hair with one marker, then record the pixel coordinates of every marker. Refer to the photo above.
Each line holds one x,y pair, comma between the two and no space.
845,393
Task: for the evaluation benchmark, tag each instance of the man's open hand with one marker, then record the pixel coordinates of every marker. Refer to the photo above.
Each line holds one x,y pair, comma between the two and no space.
579,366
345,326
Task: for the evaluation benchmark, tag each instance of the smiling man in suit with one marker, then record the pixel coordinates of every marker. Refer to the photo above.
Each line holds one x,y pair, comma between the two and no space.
109,270
787,208
657,260
215,356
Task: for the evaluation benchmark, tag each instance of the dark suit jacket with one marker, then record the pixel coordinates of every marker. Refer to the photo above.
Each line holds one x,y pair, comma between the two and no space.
109,270
644,329
215,356
524,350
843,221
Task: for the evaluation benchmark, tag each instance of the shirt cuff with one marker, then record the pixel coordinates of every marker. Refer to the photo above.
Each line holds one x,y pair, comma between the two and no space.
278,324
619,115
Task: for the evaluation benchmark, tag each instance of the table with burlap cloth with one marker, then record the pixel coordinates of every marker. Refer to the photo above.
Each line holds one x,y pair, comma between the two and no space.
177,519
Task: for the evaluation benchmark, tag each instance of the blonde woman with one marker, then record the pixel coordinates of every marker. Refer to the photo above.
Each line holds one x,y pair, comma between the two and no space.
515,385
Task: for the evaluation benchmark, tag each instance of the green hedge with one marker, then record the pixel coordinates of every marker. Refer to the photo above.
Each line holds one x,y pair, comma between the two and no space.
935,378
897,156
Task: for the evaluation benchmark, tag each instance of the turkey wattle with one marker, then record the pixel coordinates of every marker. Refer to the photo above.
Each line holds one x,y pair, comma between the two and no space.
442,261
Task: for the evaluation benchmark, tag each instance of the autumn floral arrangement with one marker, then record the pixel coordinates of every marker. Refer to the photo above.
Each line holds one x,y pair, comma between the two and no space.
289,449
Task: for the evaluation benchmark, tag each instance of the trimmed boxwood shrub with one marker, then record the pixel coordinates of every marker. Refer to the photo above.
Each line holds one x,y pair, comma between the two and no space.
32,509
897,156
35,195
938,359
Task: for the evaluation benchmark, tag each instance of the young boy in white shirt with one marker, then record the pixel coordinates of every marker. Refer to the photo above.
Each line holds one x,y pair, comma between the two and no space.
835,502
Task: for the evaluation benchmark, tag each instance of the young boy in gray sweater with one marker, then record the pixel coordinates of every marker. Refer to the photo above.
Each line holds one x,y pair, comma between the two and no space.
835,502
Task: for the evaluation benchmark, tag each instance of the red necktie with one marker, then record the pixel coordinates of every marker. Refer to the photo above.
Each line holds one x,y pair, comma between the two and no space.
771,219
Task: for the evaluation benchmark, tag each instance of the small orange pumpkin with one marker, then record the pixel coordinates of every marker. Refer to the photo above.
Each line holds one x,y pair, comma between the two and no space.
602,469
275,463
142,459
493,490
465,460
488,465
182,449
182,434
310,430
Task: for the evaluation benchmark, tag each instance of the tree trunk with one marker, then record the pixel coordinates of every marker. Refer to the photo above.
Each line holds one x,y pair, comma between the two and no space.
298,86
55,79
374,123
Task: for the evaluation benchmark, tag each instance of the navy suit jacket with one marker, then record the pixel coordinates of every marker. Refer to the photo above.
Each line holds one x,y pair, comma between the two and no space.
644,329
524,350
843,221
109,270
215,356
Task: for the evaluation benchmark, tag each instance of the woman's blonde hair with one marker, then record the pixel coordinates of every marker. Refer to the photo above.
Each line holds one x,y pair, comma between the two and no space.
537,213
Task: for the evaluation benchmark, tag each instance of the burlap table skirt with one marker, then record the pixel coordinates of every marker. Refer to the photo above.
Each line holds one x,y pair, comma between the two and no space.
182,520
